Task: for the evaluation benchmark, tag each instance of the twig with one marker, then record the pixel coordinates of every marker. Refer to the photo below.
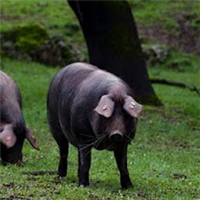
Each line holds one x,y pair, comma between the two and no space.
176,84
13,197
36,173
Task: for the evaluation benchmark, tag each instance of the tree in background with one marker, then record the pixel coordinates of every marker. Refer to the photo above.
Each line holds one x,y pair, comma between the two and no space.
113,43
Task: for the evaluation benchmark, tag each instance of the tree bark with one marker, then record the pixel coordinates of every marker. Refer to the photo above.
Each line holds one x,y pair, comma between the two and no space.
113,43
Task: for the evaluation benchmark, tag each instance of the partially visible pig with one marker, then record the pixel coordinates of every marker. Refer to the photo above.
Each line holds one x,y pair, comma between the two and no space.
89,107
13,130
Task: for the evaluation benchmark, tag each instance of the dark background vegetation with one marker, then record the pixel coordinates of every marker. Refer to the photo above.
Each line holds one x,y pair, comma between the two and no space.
39,37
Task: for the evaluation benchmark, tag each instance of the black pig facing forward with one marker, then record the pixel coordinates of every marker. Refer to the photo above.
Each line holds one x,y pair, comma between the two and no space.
89,107
13,130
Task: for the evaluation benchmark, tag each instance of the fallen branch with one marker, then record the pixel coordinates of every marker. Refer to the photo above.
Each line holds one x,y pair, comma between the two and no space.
14,197
176,84
36,173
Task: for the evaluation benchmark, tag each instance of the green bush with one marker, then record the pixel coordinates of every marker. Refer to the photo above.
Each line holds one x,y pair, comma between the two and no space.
27,37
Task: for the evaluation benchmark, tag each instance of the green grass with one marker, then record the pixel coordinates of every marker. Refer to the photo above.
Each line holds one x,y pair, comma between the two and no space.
55,15
59,18
163,159
164,14
167,143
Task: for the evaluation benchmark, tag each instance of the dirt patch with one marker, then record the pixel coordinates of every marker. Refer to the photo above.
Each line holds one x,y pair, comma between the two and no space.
95,197
186,38
179,176
8,18
187,41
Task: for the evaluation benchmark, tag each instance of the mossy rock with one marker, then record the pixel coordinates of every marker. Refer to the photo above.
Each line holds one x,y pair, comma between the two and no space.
28,37
32,42
55,51
155,53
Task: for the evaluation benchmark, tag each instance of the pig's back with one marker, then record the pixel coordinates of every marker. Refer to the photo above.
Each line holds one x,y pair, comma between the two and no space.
66,81
10,100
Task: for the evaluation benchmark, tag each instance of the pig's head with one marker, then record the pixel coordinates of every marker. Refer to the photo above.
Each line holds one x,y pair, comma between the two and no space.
11,142
116,117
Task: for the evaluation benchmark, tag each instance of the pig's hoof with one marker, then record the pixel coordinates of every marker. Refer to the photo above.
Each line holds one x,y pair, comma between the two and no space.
82,185
127,185
62,177
62,173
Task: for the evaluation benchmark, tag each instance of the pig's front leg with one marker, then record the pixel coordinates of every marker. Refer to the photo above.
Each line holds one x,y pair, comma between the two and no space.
121,159
84,160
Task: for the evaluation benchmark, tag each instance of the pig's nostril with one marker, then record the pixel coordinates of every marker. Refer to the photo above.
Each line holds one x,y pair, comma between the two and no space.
116,137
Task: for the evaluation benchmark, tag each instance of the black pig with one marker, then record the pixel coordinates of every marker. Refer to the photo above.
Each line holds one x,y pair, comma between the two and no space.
13,130
89,107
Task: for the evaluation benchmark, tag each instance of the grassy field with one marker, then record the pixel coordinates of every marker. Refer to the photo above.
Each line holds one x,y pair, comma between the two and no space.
163,159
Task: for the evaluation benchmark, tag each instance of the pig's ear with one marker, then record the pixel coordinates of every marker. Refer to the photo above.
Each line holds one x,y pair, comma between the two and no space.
105,106
7,136
30,137
132,107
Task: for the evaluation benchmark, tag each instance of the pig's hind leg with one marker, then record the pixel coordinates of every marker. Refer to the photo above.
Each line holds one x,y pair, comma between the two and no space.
63,145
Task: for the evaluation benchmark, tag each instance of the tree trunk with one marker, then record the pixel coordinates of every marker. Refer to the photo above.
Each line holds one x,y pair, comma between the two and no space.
114,45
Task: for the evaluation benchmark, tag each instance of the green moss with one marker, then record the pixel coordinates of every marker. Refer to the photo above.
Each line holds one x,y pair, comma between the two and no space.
28,37
32,42
2,53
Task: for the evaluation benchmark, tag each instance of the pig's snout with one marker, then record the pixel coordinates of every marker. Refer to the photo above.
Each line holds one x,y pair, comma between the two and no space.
116,136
